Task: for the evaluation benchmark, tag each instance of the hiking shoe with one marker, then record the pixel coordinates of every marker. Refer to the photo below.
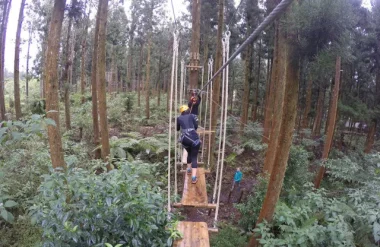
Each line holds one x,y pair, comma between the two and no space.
188,170
194,180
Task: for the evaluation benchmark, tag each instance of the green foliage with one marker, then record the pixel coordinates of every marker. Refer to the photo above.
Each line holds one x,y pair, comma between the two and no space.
16,131
297,171
250,209
21,234
38,107
124,206
314,219
228,236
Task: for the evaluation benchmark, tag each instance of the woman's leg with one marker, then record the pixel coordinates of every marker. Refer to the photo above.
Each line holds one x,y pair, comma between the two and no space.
194,159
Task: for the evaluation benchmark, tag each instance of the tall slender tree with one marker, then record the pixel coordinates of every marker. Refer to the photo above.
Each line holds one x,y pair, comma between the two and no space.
101,81
17,62
51,81
331,123
6,6
94,87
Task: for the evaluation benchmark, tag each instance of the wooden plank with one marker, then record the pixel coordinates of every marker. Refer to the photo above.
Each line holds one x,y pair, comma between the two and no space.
195,234
208,206
199,163
205,132
195,195
206,171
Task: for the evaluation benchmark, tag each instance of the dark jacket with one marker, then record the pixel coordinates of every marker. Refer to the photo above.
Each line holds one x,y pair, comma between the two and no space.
187,122
194,107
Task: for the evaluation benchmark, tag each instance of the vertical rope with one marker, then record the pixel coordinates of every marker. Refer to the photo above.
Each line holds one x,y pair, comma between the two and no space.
201,104
226,74
205,118
175,125
181,95
175,52
210,103
220,129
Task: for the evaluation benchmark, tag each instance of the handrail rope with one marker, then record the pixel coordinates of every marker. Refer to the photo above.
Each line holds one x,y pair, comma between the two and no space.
175,47
181,94
201,104
221,124
227,51
175,121
277,11
211,61
206,111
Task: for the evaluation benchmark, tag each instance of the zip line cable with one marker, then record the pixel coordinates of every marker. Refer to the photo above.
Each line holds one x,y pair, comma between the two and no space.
280,8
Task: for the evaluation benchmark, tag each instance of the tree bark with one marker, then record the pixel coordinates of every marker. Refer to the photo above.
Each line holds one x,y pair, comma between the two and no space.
17,62
256,100
4,24
331,126
276,97
27,65
94,87
216,83
83,66
305,117
246,90
269,104
102,83
287,125
318,118
139,76
65,76
147,82
195,40
51,82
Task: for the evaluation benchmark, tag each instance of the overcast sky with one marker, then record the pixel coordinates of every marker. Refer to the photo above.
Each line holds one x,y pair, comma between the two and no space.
179,7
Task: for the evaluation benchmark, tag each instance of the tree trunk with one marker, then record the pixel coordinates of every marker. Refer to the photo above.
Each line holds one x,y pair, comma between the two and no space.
267,91
27,65
147,83
65,76
246,90
102,83
370,137
83,66
51,82
287,125
331,126
271,97
139,77
276,97
195,39
305,118
216,83
256,100
17,62
6,9
318,118
94,87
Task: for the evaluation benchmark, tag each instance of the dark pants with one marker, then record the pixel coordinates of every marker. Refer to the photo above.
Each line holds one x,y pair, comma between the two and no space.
192,146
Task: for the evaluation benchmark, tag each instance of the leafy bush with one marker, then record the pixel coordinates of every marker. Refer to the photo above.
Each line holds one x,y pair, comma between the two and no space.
297,171
250,209
78,208
315,220
228,237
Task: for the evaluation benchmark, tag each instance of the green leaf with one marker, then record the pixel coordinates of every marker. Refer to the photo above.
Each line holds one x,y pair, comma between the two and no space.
7,216
10,204
50,121
109,245
118,245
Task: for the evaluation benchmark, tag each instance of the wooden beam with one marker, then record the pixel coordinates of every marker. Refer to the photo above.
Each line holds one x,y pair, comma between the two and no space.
206,171
195,234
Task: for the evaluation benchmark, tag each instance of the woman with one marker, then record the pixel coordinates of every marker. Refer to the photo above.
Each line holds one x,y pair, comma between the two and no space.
188,125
